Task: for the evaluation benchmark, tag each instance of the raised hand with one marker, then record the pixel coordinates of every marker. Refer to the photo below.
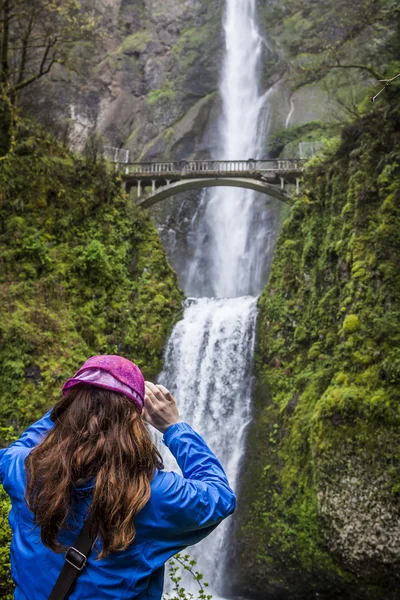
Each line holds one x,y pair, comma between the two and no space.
160,409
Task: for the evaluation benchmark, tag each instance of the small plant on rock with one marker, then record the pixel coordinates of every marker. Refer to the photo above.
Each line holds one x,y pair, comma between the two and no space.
179,592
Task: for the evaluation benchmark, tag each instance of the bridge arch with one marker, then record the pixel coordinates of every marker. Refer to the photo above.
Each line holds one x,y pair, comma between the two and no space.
194,184
165,179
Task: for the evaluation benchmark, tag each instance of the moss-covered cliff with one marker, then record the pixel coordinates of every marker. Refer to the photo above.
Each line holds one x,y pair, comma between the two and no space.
319,504
82,272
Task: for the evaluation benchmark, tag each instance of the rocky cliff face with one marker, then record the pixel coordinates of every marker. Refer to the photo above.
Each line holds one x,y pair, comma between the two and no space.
152,88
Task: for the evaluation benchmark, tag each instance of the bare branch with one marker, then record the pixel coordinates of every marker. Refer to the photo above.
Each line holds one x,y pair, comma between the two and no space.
38,46
339,65
23,84
43,70
387,82
24,50
35,34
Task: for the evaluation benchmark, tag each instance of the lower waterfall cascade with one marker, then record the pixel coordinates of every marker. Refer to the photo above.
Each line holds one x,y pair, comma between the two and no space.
215,336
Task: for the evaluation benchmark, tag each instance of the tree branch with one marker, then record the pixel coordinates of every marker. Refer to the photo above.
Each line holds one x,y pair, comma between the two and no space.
24,49
387,84
23,84
6,98
43,70
367,68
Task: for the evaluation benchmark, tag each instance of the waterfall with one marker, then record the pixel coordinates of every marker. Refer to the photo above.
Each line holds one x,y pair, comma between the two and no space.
208,371
208,359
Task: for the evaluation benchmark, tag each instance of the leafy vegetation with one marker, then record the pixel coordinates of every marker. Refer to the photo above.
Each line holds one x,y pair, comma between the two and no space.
180,593
82,272
136,42
285,141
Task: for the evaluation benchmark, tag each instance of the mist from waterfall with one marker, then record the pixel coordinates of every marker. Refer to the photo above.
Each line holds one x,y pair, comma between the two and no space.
208,359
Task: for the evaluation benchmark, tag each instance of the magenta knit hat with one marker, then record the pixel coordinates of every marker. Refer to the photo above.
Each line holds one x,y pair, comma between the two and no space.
111,372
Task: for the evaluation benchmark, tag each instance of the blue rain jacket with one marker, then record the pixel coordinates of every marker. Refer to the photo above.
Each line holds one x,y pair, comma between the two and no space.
181,511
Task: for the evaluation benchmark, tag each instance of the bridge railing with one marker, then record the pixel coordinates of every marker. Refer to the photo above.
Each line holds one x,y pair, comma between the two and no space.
212,166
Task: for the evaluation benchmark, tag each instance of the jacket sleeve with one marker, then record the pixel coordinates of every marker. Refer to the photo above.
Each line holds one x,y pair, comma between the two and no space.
35,433
29,439
200,499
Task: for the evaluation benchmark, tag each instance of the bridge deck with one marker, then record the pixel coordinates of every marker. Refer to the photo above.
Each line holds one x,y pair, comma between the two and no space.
215,168
162,175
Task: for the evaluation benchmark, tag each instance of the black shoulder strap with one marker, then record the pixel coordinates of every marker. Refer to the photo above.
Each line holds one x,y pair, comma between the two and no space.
75,561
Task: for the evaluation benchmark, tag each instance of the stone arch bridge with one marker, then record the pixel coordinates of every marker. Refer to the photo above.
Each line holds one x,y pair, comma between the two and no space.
156,181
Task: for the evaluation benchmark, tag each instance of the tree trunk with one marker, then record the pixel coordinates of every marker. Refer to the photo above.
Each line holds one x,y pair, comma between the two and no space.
4,43
5,107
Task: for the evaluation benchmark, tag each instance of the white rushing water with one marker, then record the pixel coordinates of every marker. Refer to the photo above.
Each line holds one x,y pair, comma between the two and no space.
208,360
208,371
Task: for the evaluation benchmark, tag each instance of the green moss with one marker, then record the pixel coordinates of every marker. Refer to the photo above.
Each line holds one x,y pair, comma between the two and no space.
6,587
135,42
198,46
351,324
166,93
190,44
300,334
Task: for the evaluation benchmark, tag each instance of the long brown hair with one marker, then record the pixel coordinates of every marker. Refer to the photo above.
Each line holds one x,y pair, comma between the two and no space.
97,434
